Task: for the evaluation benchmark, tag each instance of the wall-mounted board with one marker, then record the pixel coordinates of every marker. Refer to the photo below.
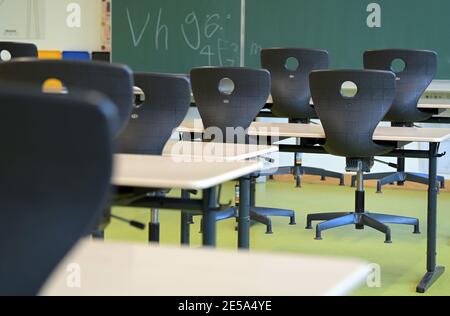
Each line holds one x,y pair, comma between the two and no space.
174,35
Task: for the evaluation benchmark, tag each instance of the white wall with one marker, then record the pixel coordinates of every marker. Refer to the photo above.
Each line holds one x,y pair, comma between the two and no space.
56,34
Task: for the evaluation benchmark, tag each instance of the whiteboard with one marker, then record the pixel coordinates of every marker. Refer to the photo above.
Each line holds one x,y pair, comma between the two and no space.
28,25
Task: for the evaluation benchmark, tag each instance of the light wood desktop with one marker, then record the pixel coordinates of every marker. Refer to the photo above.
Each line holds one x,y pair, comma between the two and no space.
198,151
126,269
423,103
168,173
437,105
388,134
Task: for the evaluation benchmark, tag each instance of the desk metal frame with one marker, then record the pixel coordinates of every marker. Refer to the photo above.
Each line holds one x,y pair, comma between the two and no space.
207,205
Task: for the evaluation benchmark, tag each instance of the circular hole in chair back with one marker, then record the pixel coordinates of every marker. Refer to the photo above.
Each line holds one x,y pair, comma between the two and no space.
292,64
349,89
139,97
5,55
398,65
226,86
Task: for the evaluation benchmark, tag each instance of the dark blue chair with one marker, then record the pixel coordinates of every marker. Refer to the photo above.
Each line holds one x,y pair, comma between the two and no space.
55,173
152,123
291,96
349,124
420,68
231,98
17,50
114,81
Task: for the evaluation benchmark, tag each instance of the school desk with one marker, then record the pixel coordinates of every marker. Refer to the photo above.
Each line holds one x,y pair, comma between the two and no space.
394,135
114,269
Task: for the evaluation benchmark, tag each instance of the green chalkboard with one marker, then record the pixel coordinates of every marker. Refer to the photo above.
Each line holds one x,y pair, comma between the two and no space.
176,35
340,26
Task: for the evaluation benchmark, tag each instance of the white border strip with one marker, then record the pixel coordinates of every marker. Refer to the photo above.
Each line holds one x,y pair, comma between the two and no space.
242,63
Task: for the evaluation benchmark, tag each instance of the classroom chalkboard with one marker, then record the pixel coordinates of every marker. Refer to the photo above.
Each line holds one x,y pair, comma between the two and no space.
174,36
347,28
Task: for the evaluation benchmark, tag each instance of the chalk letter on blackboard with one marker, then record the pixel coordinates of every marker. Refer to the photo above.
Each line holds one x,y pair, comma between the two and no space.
159,29
374,18
136,41
191,19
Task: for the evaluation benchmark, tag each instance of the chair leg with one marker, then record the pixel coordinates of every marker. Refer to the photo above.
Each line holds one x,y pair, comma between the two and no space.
423,179
394,177
221,216
372,176
324,174
401,220
283,170
265,211
298,176
263,220
298,171
348,219
98,235
367,220
442,182
322,217
224,215
386,178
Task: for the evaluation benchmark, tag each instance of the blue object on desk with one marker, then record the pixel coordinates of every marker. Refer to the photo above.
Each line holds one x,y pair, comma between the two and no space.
76,55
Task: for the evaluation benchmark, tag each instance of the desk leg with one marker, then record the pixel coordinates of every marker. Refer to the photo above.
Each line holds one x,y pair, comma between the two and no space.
98,235
244,213
401,168
185,222
209,217
433,271
153,227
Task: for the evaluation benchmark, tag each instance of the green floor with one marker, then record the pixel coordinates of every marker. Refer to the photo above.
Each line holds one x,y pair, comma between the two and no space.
402,263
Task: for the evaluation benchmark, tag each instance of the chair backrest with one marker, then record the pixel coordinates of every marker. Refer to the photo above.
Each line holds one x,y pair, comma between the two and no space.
167,100
114,81
350,122
290,86
17,50
55,171
420,68
229,97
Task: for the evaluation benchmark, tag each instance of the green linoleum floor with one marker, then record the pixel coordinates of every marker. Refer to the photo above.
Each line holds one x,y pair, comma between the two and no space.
402,263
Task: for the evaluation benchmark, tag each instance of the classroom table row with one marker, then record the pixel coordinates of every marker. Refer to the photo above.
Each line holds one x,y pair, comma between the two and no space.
393,135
